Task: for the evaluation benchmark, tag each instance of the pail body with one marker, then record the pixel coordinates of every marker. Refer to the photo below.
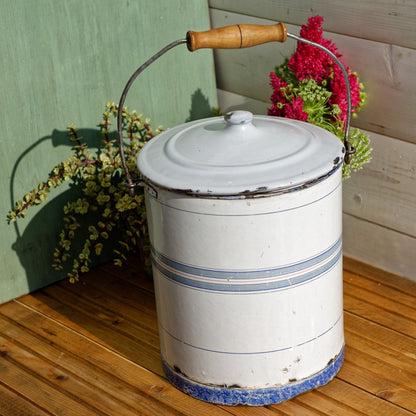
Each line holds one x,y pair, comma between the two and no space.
249,290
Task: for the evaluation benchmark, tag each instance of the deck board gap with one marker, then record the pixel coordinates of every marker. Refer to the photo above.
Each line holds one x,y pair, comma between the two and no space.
385,369
16,397
56,371
145,397
382,290
67,351
81,335
103,299
113,315
64,397
376,405
124,385
398,298
378,386
350,410
100,315
380,301
385,326
396,282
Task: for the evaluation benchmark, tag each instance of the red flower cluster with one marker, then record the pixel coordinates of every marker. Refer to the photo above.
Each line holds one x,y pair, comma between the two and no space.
309,62
281,106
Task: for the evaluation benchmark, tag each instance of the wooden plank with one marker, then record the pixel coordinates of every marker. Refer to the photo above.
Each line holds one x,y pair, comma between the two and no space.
378,314
122,389
119,304
388,306
138,293
378,385
111,330
382,63
387,109
382,337
31,388
249,410
92,395
369,19
71,362
165,398
294,408
406,286
58,329
402,378
403,361
13,404
386,71
361,401
121,290
327,406
380,246
377,288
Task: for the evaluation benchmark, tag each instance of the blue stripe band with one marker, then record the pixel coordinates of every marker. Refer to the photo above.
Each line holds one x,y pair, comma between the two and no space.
248,280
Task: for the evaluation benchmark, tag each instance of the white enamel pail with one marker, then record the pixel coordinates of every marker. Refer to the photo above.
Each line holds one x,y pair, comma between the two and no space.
245,225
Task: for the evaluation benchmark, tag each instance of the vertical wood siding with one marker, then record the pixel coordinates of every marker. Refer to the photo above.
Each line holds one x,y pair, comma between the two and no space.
378,40
61,61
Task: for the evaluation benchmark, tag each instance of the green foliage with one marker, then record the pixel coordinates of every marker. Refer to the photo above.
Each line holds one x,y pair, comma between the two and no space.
315,103
361,143
101,179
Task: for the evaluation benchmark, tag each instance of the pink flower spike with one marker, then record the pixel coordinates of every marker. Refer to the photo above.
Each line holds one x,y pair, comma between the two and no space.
277,84
308,61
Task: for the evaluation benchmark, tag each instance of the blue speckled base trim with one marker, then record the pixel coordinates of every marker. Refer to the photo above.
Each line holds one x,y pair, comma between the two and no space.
252,397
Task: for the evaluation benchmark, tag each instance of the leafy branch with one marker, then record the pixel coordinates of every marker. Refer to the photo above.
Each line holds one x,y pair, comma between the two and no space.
100,177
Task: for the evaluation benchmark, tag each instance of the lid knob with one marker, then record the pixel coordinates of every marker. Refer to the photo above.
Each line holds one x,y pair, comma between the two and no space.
238,117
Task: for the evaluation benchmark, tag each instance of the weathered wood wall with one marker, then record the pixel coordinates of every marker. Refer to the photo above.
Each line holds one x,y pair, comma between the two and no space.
61,61
378,40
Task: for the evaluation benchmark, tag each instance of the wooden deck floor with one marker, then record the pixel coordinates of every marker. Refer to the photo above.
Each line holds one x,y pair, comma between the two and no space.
93,349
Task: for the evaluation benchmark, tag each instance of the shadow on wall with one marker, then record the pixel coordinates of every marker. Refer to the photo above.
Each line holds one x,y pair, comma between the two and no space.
35,245
200,107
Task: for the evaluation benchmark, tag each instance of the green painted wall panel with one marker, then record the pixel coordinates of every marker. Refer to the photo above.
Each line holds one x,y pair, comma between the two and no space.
61,61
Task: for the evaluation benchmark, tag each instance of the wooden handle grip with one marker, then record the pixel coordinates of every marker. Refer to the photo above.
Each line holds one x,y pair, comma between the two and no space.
236,36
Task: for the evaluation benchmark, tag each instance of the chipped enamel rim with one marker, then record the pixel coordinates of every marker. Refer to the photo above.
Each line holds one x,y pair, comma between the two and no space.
253,397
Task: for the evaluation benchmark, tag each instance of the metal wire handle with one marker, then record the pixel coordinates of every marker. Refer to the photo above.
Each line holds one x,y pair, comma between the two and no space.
129,181
229,37
349,150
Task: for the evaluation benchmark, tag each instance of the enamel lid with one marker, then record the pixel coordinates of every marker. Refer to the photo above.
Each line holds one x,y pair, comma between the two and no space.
240,154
